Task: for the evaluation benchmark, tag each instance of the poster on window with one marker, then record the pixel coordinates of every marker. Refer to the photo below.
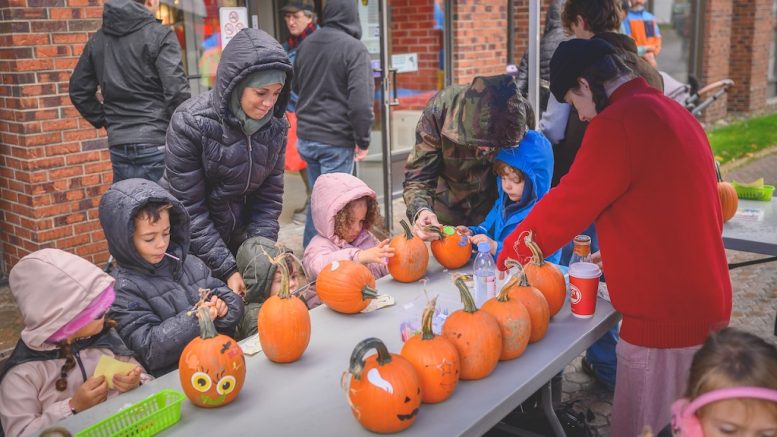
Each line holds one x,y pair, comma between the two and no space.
231,21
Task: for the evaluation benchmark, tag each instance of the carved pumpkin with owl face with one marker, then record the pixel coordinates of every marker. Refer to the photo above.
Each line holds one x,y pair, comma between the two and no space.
212,366
383,390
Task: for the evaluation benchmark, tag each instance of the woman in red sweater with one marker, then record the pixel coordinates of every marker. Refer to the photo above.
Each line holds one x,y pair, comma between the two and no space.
645,176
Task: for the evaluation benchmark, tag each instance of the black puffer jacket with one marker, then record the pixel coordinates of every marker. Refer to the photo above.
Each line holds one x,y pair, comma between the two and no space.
136,61
551,38
231,184
153,301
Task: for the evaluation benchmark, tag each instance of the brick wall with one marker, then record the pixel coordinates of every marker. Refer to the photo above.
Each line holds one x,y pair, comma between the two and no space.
479,35
412,31
716,51
54,166
749,64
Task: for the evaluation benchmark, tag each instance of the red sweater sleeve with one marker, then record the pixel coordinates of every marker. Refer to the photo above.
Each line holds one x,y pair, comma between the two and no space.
598,176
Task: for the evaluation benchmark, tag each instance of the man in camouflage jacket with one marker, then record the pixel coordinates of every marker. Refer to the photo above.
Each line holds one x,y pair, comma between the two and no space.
448,175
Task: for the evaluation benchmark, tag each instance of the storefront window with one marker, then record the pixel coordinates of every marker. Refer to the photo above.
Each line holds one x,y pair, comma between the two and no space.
676,25
197,26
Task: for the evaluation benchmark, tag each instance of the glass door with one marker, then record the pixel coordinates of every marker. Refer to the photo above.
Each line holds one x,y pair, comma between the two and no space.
408,37
197,26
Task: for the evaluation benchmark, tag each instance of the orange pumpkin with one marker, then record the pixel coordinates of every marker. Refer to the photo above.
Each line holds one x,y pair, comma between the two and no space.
513,319
545,277
434,358
411,257
476,335
728,200
346,286
531,298
284,322
212,367
452,250
727,195
384,391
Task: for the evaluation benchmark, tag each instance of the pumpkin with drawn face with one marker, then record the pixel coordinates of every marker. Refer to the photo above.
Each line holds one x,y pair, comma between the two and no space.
384,390
212,366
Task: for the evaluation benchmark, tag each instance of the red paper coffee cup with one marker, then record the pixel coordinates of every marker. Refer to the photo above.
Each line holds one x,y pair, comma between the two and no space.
583,286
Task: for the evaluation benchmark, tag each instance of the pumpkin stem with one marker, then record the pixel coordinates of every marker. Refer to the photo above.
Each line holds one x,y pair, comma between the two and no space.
717,171
536,252
406,227
207,328
466,297
426,320
357,356
510,263
369,292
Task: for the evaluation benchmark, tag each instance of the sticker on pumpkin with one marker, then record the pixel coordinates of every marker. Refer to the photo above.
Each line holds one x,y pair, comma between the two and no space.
373,375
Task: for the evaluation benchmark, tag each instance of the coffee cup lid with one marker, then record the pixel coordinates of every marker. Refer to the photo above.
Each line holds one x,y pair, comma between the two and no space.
585,270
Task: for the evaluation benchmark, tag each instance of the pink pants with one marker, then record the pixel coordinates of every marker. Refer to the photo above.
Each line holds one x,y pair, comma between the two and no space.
646,383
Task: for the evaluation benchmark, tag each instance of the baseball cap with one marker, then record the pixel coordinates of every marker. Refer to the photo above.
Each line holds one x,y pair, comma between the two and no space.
303,5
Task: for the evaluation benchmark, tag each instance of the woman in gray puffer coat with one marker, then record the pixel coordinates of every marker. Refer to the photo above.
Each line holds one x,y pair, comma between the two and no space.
226,149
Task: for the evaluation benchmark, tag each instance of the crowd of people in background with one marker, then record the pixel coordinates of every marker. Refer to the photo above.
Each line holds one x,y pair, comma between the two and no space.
198,190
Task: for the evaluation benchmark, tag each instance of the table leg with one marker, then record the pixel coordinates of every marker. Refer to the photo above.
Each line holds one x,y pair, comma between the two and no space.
732,266
547,406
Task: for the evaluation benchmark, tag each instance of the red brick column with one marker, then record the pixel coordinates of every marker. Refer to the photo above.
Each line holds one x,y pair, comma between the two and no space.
54,165
716,50
479,39
751,31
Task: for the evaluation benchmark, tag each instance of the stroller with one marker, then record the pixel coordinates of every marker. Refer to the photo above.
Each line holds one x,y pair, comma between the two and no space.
691,96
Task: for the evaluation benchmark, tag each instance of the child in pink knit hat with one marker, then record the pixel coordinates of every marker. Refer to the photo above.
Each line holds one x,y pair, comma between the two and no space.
63,300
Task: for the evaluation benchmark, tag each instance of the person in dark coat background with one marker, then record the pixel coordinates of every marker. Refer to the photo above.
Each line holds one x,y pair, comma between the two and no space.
226,151
333,77
551,38
136,63
156,292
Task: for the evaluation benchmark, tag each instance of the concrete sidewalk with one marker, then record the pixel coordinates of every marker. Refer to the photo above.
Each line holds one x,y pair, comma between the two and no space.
755,293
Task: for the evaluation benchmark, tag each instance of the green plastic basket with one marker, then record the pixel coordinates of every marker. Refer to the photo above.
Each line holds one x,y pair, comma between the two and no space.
763,193
145,418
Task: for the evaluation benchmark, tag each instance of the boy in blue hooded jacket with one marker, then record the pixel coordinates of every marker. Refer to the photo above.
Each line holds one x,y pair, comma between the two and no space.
523,178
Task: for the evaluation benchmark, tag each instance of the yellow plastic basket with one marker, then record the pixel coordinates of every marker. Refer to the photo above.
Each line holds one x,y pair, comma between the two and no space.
145,418
763,193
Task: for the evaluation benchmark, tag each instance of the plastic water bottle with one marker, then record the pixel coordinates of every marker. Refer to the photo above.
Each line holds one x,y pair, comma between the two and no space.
485,275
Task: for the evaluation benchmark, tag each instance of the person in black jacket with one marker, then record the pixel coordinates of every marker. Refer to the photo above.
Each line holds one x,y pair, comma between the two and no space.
157,281
333,78
551,38
226,152
136,63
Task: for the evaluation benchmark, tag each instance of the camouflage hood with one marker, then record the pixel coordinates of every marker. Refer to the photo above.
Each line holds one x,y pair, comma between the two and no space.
490,112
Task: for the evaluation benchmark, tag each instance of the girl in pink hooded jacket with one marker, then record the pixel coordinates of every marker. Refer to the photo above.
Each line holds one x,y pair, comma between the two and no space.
63,299
344,209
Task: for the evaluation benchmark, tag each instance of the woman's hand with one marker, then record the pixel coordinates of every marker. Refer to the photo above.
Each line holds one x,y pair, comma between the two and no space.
235,282
596,258
127,382
93,391
426,218
463,230
377,254
481,238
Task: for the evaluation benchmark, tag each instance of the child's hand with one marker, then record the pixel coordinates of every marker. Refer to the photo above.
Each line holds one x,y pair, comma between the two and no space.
127,382
213,312
219,305
377,254
235,283
93,391
480,238
463,230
